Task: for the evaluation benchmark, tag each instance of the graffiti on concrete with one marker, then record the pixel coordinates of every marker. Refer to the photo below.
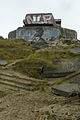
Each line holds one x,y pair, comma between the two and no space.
41,26
38,33
39,19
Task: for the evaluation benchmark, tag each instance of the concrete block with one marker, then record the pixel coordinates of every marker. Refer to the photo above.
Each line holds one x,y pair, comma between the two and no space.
66,89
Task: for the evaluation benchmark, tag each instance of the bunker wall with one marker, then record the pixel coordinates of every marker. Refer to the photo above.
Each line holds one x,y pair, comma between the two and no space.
41,33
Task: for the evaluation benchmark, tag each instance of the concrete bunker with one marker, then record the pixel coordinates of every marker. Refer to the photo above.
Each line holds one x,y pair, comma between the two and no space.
41,27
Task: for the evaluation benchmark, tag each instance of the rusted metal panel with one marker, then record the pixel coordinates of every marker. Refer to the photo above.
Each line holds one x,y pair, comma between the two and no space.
39,19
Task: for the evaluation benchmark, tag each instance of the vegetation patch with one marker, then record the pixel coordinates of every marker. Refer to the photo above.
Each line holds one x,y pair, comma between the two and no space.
41,62
34,67
33,62
14,49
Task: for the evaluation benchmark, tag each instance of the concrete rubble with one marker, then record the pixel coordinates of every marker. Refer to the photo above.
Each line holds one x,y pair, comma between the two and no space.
66,89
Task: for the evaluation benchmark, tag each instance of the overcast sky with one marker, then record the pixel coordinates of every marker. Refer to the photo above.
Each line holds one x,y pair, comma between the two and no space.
12,13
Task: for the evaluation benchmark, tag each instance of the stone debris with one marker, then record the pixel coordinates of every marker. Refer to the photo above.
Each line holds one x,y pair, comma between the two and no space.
64,67
59,112
75,50
66,89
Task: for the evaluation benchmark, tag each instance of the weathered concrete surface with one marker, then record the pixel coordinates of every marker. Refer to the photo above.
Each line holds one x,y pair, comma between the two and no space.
66,89
37,33
67,65
68,33
41,33
63,67
74,77
12,35
3,62
75,50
